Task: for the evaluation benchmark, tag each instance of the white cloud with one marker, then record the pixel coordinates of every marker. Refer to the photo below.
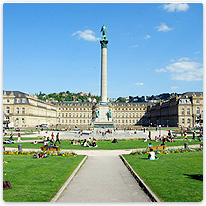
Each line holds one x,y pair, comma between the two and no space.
139,84
184,67
163,27
160,70
183,59
87,35
197,52
147,36
176,7
184,70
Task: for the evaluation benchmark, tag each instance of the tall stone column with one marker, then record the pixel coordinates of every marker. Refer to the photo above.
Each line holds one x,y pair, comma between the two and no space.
104,75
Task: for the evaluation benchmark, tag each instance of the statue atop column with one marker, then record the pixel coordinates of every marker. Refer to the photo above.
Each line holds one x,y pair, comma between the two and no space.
104,40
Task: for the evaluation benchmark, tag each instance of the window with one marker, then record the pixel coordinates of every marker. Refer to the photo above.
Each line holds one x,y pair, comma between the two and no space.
122,121
133,114
126,121
69,114
62,121
73,121
183,111
17,110
22,120
188,121
23,110
70,121
126,115
17,120
7,100
137,115
73,114
198,110
198,101
140,114
23,100
183,121
122,114
188,111
62,114
76,114
7,110
66,114
80,115
129,114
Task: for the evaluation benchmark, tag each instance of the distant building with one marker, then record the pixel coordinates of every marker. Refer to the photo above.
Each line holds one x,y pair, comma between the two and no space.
26,110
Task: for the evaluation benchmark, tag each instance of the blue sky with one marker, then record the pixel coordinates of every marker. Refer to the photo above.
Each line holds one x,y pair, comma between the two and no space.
153,48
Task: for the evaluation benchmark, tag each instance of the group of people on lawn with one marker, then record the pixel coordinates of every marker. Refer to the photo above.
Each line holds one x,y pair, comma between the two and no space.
85,143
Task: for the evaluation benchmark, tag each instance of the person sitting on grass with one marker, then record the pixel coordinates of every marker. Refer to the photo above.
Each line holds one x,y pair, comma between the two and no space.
93,143
78,142
73,142
114,141
149,145
40,156
151,155
85,144
35,142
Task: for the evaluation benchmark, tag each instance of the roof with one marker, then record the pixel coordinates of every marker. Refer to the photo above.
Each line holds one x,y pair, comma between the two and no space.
16,93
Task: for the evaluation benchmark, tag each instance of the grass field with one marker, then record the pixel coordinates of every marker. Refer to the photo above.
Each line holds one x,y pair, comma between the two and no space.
105,145
36,180
173,177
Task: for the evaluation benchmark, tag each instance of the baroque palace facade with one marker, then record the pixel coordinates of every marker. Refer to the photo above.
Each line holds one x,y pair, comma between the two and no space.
26,110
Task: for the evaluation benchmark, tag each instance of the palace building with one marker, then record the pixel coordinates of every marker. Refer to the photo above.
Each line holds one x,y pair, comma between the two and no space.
26,110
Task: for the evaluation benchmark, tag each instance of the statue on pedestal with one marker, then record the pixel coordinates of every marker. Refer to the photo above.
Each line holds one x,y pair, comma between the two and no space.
104,40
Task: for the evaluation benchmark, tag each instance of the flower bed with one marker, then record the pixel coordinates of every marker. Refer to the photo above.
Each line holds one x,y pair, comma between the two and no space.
33,153
145,152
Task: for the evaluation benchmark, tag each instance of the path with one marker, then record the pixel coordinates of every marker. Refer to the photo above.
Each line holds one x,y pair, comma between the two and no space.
103,179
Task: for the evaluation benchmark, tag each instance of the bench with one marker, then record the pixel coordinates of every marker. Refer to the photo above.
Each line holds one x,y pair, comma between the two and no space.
50,149
157,147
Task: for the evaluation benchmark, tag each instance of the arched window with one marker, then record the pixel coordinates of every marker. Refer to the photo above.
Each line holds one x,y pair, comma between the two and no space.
17,110
183,111
23,110
188,111
7,110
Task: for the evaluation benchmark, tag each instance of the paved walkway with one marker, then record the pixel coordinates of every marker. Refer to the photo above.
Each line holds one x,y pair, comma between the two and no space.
103,179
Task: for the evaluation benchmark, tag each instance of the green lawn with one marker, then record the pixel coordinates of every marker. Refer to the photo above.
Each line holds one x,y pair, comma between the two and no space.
36,180
105,145
174,177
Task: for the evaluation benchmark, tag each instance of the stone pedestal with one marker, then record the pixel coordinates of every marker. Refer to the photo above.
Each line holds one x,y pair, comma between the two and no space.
103,120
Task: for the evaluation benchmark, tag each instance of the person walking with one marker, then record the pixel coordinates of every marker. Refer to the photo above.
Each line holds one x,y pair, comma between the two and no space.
193,134
57,138
11,136
52,137
19,137
149,134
